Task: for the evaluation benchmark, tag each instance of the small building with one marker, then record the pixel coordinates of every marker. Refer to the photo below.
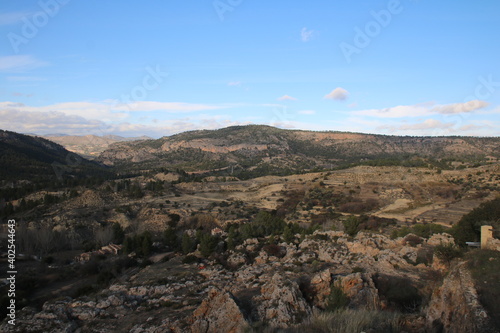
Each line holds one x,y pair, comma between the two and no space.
487,240
218,232
111,248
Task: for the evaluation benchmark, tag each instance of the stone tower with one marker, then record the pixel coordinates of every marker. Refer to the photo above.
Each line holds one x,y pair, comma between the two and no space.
486,235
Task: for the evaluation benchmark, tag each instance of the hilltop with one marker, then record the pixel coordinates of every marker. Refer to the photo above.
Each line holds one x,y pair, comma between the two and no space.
257,150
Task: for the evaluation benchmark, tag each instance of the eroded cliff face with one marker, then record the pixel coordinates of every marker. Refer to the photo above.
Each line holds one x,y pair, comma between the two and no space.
455,306
245,143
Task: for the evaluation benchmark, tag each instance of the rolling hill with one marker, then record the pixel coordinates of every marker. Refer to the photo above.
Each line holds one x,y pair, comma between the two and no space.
258,149
24,157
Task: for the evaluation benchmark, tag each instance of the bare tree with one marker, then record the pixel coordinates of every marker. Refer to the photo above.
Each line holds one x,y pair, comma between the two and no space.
44,240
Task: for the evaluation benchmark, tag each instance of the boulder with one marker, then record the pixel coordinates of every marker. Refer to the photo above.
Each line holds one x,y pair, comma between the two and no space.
455,306
440,239
219,312
361,291
280,303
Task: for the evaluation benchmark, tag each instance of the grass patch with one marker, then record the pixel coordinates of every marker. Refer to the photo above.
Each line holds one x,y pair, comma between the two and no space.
484,266
345,321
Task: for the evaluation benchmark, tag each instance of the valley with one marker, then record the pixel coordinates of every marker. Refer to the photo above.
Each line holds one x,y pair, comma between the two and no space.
220,224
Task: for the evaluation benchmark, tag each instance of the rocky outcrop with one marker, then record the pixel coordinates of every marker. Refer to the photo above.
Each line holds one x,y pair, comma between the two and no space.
88,198
289,146
455,306
281,303
320,286
361,291
493,244
219,312
441,239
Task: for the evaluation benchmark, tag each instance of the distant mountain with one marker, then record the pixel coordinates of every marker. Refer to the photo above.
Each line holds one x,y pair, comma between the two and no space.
268,150
89,146
24,157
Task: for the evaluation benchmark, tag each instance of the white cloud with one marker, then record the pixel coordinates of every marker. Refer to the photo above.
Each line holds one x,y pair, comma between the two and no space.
164,106
338,94
234,84
434,127
50,122
109,110
460,107
307,112
287,98
46,122
425,109
306,35
20,63
426,124
472,127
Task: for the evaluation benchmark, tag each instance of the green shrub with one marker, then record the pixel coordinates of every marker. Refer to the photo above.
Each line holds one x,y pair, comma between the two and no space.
413,240
427,230
399,292
84,291
468,229
484,265
358,269
351,225
448,252
337,299
190,259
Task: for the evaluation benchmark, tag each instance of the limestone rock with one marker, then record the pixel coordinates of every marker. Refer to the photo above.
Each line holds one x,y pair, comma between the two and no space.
320,286
219,312
361,291
441,239
455,306
236,259
281,303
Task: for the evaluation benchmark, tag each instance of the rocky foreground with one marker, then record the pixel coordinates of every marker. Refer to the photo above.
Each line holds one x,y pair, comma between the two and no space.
279,287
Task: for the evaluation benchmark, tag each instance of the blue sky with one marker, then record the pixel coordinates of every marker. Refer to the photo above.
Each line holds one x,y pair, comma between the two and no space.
408,67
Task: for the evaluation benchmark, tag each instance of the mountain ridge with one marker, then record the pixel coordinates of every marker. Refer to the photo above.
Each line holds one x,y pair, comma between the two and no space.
25,157
260,146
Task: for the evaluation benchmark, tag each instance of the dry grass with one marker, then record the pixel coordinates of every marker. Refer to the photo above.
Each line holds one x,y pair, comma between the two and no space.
345,321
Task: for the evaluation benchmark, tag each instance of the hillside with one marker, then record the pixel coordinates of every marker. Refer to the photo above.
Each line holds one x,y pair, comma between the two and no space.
294,252
23,157
89,145
255,150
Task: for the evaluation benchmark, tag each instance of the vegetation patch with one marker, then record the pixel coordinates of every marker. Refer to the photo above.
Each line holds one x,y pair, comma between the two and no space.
484,266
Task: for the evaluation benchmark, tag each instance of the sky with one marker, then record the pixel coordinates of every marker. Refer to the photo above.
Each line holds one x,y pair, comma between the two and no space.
160,67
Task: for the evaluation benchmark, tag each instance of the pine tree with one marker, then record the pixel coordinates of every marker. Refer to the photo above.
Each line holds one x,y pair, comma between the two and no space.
146,246
170,238
118,233
288,236
187,244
